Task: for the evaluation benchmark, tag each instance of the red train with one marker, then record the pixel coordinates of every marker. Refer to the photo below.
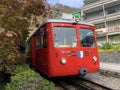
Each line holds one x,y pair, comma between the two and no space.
64,48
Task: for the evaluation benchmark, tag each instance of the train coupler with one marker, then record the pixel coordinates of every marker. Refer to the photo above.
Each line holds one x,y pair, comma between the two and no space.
83,71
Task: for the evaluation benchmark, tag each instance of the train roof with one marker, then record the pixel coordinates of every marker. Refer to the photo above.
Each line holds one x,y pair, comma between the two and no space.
58,21
67,21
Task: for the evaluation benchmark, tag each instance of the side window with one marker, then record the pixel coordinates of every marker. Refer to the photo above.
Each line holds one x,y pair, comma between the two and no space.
43,37
37,38
87,37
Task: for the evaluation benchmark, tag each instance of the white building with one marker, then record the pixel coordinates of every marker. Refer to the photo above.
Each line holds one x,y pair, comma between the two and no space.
104,14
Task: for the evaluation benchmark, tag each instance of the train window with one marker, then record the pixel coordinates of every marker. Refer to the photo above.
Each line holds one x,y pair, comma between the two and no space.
64,37
87,37
44,38
37,38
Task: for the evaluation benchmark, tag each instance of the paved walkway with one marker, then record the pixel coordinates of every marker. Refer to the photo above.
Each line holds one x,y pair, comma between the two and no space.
110,66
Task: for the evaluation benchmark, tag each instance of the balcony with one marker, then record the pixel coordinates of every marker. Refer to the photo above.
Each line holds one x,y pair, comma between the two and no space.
101,19
87,2
99,3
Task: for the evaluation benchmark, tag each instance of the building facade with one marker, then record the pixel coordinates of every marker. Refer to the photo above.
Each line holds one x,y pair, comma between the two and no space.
105,15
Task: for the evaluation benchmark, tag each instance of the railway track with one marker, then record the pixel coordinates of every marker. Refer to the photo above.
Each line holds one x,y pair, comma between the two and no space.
89,85
80,84
73,85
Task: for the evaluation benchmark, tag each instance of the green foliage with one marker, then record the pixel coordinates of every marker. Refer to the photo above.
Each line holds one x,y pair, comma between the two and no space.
15,19
116,47
27,79
107,46
107,50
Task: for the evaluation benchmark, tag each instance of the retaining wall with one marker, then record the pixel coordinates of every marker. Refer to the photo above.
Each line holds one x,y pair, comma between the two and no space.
113,57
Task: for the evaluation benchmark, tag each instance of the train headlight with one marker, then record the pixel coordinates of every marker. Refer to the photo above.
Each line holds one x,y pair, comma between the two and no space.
95,59
63,61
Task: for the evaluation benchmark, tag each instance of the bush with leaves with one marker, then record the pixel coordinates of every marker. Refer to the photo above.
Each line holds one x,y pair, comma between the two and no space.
15,19
27,79
107,45
9,55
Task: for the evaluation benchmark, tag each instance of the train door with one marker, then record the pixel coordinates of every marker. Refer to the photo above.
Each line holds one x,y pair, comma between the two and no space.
88,48
42,49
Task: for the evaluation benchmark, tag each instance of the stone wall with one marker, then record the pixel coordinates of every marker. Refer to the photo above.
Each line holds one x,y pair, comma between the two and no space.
113,57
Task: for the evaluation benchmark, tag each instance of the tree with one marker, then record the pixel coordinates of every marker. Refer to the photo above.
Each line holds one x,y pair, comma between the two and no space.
15,19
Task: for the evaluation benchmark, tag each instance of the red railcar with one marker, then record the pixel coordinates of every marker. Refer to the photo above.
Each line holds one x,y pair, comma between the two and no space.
64,48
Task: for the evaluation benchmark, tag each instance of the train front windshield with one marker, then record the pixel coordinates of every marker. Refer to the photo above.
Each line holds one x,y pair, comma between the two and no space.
86,37
65,37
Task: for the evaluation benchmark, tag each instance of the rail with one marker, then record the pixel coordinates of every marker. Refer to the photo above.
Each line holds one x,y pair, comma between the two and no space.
80,84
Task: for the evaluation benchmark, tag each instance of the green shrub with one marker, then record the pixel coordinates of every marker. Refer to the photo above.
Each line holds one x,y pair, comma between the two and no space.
116,47
27,79
107,51
107,46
